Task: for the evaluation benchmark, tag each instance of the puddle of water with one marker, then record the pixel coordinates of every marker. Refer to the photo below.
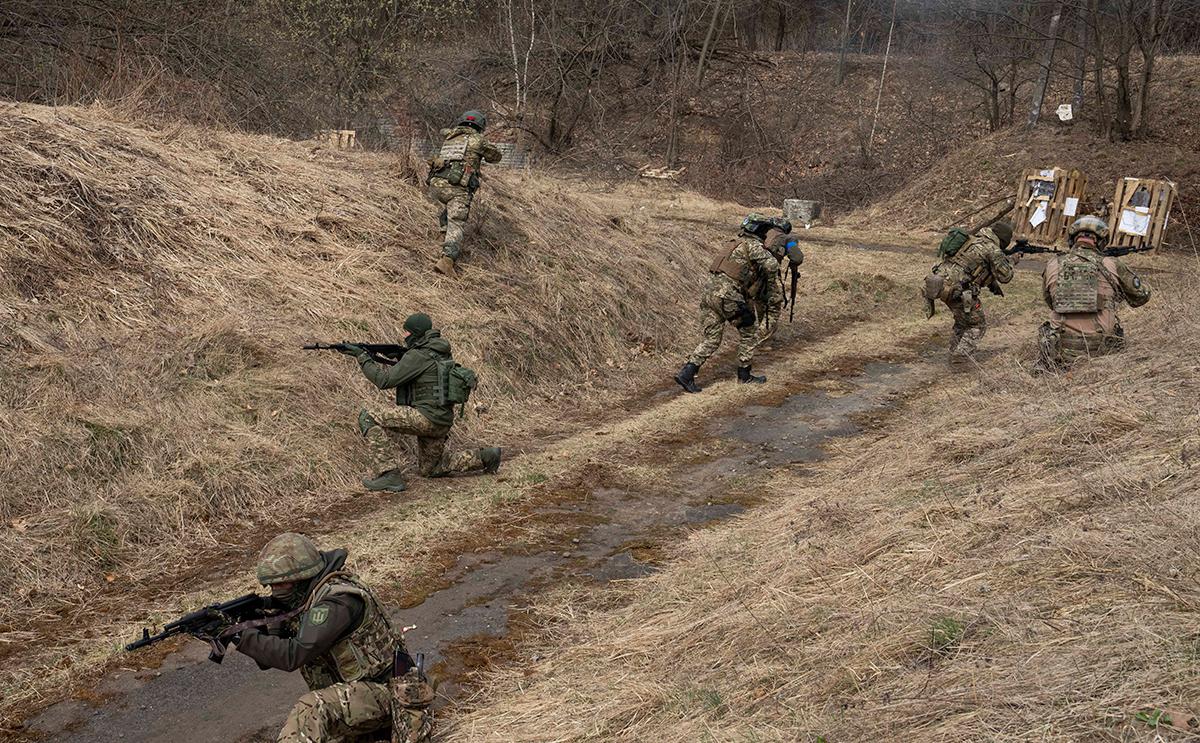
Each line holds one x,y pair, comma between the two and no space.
795,431
596,538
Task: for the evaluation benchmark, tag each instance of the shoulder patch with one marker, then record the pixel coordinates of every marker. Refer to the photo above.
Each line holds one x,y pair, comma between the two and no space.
318,614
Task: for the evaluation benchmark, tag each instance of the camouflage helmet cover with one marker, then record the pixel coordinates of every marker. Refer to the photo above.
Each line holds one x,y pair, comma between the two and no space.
477,119
757,224
1089,223
289,557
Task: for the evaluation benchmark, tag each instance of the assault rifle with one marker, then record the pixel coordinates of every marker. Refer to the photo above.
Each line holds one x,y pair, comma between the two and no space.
1023,246
380,353
217,623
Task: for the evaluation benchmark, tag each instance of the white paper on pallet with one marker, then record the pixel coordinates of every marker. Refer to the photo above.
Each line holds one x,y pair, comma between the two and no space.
1134,222
1071,207
1038,216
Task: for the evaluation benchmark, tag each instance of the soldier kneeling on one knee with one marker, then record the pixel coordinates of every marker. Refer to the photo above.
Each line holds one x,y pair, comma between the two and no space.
344,645
424,378
1083,290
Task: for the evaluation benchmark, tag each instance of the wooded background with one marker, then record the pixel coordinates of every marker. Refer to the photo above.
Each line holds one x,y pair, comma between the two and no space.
565,75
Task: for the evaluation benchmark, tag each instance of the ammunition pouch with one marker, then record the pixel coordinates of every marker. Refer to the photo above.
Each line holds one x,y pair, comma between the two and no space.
934,284
453,173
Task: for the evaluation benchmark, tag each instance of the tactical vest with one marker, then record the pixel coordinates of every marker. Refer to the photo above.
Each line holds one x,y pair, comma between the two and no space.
366,653
426,389
1078,287
454,149
744,275
457,161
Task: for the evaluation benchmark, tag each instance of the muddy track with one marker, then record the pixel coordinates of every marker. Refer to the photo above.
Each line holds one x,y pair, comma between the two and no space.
598,524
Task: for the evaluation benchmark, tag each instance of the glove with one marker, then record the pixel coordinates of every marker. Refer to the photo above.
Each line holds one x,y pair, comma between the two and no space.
745,317
350,349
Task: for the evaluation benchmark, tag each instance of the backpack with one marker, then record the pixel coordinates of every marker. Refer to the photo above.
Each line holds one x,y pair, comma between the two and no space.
455,384
955,238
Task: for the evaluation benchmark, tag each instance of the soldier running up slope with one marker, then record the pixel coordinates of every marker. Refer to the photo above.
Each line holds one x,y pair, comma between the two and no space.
744,289
454,177
1083,290
342,643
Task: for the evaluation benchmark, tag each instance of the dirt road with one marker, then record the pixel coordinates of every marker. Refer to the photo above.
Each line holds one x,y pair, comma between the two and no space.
607,522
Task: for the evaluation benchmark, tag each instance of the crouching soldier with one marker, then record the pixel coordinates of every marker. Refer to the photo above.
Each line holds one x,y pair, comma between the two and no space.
342,642
1083,290
424,378
967,266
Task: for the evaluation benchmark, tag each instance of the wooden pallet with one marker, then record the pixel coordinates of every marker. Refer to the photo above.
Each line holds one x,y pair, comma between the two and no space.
1048,200
343,139
1138,213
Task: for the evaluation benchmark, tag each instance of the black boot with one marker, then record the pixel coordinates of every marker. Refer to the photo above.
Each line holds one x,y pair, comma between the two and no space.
687,377
390,481
745,377
491,459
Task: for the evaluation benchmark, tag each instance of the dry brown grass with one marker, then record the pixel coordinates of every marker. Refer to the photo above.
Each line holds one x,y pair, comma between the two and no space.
156,287
160,423
1007,558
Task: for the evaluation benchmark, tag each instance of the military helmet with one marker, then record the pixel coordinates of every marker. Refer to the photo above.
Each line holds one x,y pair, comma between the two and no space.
1003,231
1089,223
757,224
477,119
289,557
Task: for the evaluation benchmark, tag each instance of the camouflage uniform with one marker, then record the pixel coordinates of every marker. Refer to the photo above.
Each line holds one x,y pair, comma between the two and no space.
420,412
978,264
342,642
1083,305
396,423
743,279
454,178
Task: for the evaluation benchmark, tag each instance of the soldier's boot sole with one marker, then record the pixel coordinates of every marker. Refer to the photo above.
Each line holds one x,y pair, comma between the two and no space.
445,266
491,459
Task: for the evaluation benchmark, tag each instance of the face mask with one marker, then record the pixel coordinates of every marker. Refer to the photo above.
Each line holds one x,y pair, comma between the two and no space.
292,597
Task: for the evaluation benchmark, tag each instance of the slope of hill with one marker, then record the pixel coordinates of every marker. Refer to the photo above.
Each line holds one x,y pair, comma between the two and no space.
156,287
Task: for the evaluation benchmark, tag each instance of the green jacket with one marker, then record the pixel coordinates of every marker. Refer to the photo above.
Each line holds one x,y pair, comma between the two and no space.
415,377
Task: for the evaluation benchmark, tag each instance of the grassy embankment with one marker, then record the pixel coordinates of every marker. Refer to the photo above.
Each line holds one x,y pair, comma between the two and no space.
1004,557
160,422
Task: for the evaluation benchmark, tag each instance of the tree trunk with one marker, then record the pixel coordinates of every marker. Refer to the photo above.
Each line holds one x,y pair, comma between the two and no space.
841,68
1149,42
1039,92
673,132
1098,70
708,41
1080,61
781,29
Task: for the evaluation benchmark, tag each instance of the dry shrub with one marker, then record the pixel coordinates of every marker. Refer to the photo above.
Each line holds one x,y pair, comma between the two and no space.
1010,558
156,286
